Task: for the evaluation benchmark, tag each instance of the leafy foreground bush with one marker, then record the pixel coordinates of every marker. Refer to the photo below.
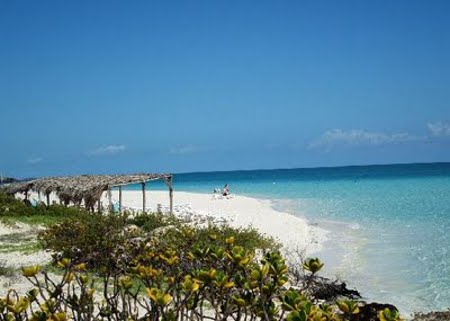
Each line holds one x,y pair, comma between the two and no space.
96,239
108,243
215,281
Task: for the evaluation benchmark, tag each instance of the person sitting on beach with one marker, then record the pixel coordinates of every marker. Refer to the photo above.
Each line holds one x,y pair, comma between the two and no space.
226,190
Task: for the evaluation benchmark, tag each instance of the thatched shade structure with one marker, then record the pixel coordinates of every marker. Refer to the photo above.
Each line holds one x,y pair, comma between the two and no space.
87,188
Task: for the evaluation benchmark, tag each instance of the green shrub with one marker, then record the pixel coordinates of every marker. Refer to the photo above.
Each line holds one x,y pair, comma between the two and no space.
152,221
10,206
93,238
224,281
107,244
212,235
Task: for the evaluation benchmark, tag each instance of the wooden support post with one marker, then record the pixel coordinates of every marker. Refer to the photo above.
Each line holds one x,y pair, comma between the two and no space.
171,195
111,208
48,199
39,196
171,200
99,205
143,197
168,181
120,199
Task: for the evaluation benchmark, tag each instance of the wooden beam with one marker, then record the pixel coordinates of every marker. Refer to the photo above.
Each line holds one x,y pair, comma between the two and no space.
133,183
48,199
143,197
120,199
99,205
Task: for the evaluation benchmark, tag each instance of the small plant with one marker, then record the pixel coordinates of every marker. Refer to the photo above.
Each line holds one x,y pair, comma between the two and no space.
389,315
313,265
348,307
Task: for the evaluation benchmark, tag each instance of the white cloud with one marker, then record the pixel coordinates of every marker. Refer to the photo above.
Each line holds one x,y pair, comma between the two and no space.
357,137
439,129
182,150
34,160
107,150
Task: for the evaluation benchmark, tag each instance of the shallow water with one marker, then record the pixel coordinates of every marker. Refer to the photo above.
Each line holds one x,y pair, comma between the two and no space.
390,224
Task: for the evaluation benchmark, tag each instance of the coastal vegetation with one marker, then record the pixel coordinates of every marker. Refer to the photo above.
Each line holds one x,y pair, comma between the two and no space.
13,211
159,267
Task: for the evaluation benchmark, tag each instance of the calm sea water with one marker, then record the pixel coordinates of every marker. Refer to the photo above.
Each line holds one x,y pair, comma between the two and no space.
390,224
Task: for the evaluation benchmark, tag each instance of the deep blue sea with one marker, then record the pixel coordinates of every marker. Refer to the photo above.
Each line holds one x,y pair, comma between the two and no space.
389,224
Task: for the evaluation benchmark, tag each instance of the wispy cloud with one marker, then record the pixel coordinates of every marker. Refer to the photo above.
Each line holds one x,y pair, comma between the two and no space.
34,160
182,150
439,129
107,150
358,137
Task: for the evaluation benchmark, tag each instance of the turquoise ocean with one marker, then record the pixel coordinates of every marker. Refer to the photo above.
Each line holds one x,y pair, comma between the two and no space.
389,224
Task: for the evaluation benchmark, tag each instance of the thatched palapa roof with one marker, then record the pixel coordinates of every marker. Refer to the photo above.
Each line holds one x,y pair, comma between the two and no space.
84,187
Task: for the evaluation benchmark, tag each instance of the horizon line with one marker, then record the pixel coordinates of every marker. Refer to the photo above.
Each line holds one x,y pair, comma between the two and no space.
258,169
311,167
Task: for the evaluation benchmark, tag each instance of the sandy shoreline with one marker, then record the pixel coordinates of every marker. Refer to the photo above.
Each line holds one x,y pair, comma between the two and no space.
293,232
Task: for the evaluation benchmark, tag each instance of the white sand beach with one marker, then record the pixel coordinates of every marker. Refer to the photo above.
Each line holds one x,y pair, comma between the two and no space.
239,211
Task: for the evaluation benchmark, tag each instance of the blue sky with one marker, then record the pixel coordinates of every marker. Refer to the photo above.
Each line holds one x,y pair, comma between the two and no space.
125,86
